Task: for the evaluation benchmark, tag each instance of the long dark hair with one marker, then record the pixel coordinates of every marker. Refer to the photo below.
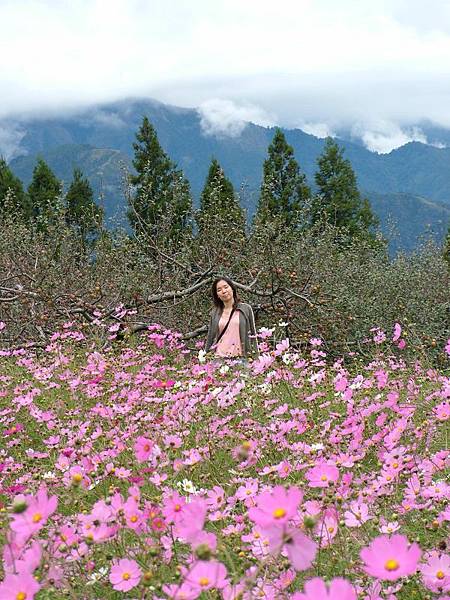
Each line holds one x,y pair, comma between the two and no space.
217,301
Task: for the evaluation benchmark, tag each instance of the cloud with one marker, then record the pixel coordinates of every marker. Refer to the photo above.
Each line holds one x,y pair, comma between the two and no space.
320,130
226,118
384,136
109,119
322,63
10,137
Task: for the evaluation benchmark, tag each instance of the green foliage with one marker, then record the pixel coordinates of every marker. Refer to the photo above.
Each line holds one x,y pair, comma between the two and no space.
446,249
161,199
219,202
82,213
338,201
44,192
284,191
13,200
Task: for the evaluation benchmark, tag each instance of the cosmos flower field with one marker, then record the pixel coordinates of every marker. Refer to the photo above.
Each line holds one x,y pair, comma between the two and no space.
144,470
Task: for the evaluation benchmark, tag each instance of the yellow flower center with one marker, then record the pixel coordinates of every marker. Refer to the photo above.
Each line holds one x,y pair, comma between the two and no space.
246,445
77,477
440,574
324,478
36,518
279,513
177,507
203,581
126,576
395,465
146,447
257,536
330,529
133,519
391,565
21,596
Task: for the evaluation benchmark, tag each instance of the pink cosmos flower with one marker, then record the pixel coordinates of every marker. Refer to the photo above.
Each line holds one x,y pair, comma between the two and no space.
442,411
390,558
327,527
20,586
277,507
316,589
143,449
321,475
389,527
192,520
357,515
125,575
175,591
436,572
39,508
206,575
300,549
215,497
397,332
173,507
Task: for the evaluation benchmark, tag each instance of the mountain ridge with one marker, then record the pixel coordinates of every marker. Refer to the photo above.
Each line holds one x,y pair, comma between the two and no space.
416,170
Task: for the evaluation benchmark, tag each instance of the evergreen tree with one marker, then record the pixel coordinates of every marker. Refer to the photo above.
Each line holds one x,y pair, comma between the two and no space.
82,213
13,200
338,200
44,192
161,201
219,205
284,190
446,248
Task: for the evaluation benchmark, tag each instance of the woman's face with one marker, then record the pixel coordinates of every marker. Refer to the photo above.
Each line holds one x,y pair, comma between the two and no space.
224,291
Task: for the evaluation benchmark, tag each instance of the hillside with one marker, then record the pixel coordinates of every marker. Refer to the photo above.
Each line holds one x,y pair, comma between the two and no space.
99,140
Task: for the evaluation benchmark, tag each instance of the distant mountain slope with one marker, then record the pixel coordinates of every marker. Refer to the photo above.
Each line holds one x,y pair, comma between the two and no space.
102,166
100,139
406,219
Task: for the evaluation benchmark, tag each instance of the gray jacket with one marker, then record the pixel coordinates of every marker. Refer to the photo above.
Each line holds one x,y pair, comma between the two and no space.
247,329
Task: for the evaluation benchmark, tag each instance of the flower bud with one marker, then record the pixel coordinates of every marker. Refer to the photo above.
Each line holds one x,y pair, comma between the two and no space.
19,506
203,552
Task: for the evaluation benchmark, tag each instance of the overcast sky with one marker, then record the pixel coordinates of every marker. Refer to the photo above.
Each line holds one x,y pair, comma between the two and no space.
378,67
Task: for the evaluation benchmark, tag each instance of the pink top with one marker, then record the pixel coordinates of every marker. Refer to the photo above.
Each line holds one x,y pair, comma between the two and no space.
230,342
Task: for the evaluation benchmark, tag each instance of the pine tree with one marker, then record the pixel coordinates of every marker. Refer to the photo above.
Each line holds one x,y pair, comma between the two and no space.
13,200
82,213
44,192
161,201
338,200
446,248
284,191
219,205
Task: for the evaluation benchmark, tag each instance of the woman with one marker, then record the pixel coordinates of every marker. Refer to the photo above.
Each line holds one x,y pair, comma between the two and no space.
232,330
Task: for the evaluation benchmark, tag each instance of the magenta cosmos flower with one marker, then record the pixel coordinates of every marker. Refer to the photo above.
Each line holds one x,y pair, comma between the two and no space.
316,589
322,475
125,575
143,448
276,507
390,557
19,587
